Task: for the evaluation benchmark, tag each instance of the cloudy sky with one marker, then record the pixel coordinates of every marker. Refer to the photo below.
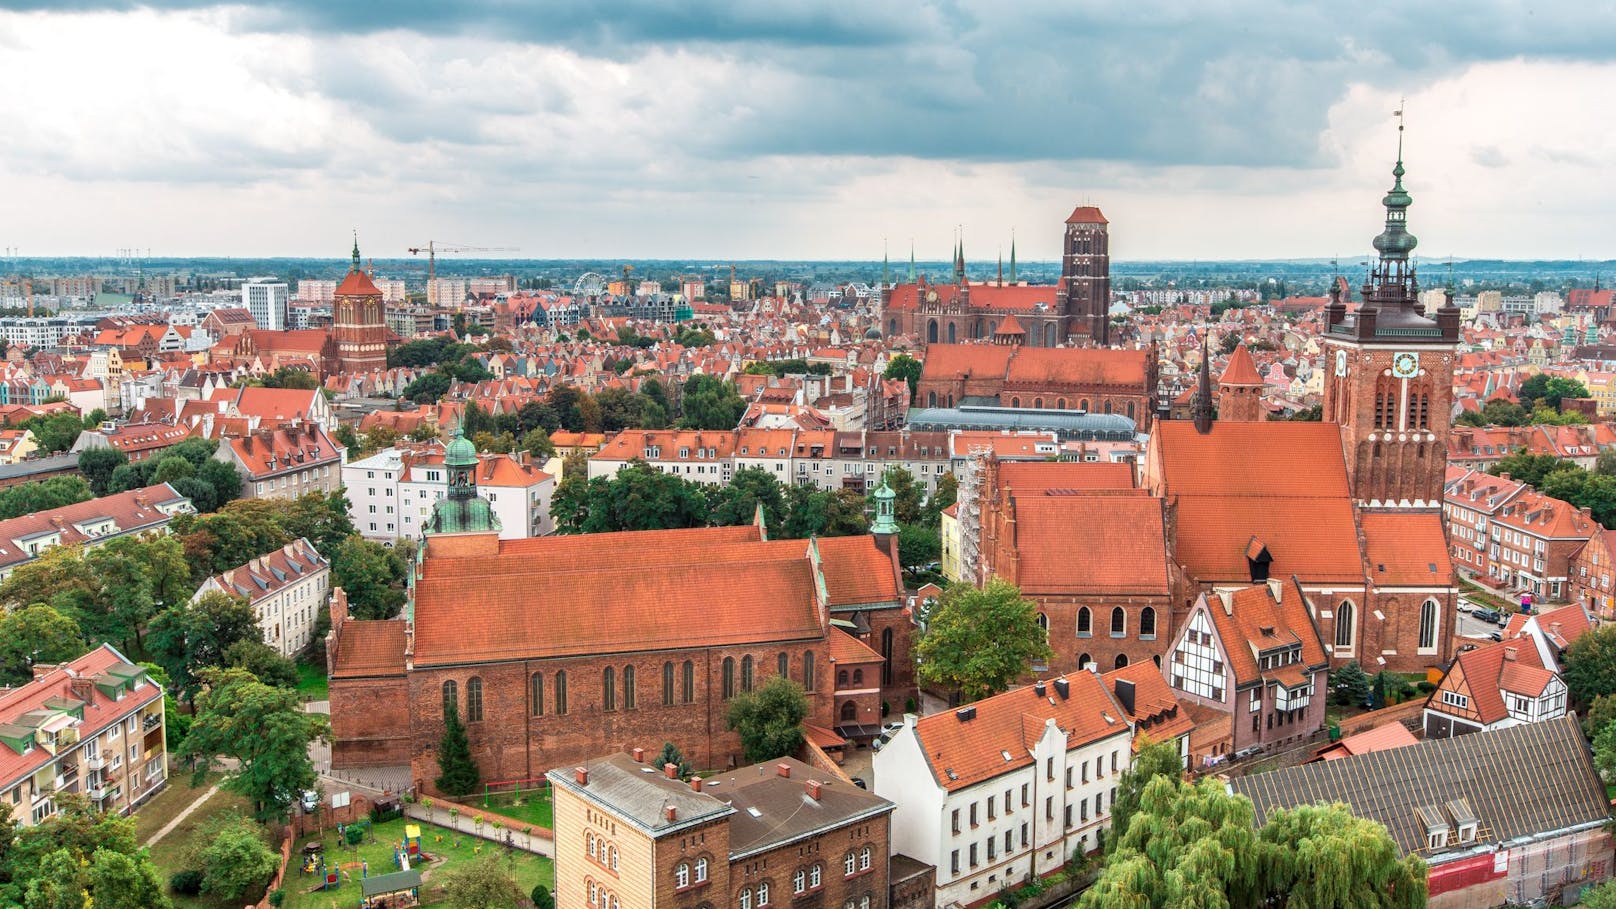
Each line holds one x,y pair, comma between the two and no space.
803,128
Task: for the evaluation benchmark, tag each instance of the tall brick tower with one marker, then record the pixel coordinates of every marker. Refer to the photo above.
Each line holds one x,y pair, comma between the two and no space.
1390,373
358,325
1084,295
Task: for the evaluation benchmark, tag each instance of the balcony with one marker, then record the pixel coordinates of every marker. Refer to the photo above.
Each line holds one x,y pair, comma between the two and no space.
151,721
95,762
97,794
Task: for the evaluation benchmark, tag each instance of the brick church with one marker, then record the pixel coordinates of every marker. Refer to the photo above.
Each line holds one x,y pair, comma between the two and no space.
558,649
1076,309
1350,507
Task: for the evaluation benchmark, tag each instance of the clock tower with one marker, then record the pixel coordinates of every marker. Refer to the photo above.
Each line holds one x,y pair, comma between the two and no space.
1389,373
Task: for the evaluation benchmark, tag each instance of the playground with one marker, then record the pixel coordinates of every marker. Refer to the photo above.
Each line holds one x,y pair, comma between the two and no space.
391,866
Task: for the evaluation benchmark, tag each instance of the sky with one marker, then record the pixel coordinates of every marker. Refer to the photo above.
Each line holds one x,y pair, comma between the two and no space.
804,129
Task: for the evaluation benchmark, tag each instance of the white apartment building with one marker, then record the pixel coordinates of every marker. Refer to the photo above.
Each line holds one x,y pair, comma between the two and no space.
287,588
267,303
316,291
446,292
1007,788
391,493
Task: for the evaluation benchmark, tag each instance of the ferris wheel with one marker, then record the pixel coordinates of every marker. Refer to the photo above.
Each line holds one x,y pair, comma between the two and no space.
589,284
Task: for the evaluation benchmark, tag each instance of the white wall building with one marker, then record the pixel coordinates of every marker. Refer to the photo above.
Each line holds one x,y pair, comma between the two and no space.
1006,788
267,303
391,493
287,588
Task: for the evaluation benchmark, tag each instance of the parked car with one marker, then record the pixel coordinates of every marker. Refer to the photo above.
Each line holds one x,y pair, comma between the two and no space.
1244,753
888,730
859,782
1490,616
1496,636
310,800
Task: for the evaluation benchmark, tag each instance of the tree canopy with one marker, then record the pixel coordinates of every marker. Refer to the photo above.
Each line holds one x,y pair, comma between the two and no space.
710,403
267,733
979,641
906,368
74,857
769,719
39,496
1590,664
36,634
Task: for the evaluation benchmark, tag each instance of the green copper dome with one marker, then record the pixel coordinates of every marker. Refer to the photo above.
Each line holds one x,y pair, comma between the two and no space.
1395,242
460,453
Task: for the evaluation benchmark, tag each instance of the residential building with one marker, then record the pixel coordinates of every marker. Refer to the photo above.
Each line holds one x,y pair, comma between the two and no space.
138,441
267,303
1551,632
392,492
1535,538
285,462
1472,500
1517,816
91,727
628,834
17,445
1494,687
1080,381
1005,790
287,589
1593,568
91,523
1144,695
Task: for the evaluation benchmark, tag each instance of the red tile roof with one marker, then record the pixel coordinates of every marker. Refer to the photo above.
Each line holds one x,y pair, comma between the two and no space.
1250,621
1086,214
358,284
370,648
129,512
1381,738
1122,540
1240,370
1491,670
269,452
1156,711
56,686
1406,550
268,574
844,648
1023,477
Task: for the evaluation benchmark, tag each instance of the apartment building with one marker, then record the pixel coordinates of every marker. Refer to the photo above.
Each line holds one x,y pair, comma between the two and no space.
91,523
1531,542
92,727
391,493
286,588
284,462
267,303
1008,788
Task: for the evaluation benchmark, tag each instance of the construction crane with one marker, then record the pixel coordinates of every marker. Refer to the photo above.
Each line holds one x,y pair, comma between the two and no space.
433,247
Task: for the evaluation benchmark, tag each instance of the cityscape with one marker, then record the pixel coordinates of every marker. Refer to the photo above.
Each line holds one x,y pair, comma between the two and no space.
1204,499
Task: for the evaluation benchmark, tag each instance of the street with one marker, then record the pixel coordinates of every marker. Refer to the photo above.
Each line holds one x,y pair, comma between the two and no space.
1472,627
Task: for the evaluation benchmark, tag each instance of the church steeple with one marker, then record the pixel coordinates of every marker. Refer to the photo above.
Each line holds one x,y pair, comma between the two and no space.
1012,255
911,260
959,259
356,251
1203,389
886,270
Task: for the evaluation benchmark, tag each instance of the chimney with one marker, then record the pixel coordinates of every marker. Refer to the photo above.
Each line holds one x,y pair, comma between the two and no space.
581,775
81,689
339,608
1063,688
965,714
1509,654
814,789
639,755
670,812
695,783
43,669
1039,688
783,770
1124,691
671,771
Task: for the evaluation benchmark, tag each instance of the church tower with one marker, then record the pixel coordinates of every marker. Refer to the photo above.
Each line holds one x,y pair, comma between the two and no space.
462,510
358,325
1389,373
1084,294
1240,389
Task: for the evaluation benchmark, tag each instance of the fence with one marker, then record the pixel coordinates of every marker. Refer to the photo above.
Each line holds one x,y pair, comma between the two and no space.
485,824
280,872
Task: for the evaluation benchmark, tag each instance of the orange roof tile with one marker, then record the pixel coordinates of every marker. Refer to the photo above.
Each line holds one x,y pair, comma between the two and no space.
358,284
370,648
1086,214
1156,711
1036,476
1250,621
1240,370
1406,550
844,648
1122,538
100,711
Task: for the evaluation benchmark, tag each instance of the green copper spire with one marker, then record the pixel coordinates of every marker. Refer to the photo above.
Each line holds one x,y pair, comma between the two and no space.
885,521
356,250
462,510
1395,242
1012,255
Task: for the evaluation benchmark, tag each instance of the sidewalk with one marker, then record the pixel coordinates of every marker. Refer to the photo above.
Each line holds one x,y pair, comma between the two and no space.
178,818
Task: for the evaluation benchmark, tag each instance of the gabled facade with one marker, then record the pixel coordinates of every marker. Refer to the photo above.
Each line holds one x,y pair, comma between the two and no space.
1494,687
91,523
286,588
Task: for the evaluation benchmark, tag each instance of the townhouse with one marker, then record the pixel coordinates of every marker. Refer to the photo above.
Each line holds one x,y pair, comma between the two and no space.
1471,499
1592,568
1536,536
286,588
1494,687
285,462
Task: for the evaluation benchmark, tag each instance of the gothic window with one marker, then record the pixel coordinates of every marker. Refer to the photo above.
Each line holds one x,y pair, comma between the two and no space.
1380,410
729,678
667,684
1085,622
1043,625
687,683
808,671
858,678
951,332
1344,625
1130,410
931,331
1119,622
1122,660
849,711
841,678
451,696
536,695
892,327
746,673
561,693
784,667
608,688
977,331
1428,625
1083,405
1060,403
1015,402
1083,659
474,700
886,651
630,697
1423,418
1147,624
1108,407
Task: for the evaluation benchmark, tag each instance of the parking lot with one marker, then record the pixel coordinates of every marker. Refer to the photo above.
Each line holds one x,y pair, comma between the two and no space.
1472,627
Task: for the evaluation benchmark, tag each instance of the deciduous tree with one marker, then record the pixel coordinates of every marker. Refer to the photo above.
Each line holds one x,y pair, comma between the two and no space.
372,575
36,634
481,884
769,719
192,637
235,860
264,730
979,641
1151,760
1590,664
906,368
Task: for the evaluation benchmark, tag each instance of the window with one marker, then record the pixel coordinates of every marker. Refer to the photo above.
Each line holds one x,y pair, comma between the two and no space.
973,814
681,875
799,882
850,862
953,862
629,695
451,696
1043,625
701,870
814,875
955,820
974,862
763,894
808,671
474,700
561,693
858,678
1147,624
746,673
667,684
746,898
783,665
1455,699
1085,623
864,859
1024,787
1428,625
687,684
608,689
1083,659
729,678
1119,622
1344,625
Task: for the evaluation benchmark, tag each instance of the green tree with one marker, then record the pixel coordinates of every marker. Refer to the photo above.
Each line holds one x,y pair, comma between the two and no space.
542,897
710,403
1152,759
1528,468
1600,897
906,368
235,860
481,884
947,494
536,442
979,641
52,493
54,432
191,638
97,465
918,546
672,755
265,731
263,661
811,511
427,389
737,503
172,468
117,880
768,719
36,634
289,377
907,495
1590,664
76,854
1605,752
372,575
457,770
1605,464
1350,685
1601,713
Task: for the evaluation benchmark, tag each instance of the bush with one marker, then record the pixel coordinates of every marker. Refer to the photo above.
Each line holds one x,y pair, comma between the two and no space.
381,815
186,883
541,897
353,834
909,705
276,897
1425,687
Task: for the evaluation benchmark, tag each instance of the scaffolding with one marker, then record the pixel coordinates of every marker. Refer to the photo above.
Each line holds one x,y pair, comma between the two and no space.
970,512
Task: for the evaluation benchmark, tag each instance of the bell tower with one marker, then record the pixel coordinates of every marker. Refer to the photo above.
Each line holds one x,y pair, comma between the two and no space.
1389,372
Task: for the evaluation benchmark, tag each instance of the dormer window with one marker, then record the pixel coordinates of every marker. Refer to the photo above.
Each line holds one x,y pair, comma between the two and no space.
1467,833
1438,839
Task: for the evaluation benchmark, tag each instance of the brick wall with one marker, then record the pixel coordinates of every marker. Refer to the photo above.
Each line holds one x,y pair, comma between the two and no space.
370,722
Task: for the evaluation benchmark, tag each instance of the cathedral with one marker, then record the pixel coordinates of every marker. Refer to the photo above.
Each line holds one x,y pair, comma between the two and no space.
1075,310
358,324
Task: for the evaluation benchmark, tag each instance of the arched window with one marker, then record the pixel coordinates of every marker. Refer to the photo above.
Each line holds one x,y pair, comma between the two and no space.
799,881
864,859
1083,405
841,678
1428,625
783,664
858,678
1085,622
951,332
474,700
1122,660
763,894
1119,622
681,875
1038,403
931,331
1157,660
561,692
451,696
687,683
849,711
1344,628
931,399
892,327
746,673
667,684
1043,624
808,671
850,863
701,869
608,689
816,874
745,901
611,860
976,330
729,678
1147,624
589,842
535,695
630,697
1083,660
886,651
1060,403
1108,407
1015,401
1130,410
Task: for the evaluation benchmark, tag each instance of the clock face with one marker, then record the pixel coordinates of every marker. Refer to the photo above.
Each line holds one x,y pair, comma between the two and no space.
1340,362
1406,365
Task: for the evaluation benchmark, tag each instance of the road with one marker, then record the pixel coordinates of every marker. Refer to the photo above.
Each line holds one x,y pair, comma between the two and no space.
1472,627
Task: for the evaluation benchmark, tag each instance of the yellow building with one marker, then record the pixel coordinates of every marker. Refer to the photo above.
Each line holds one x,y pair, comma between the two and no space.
951,567
16,445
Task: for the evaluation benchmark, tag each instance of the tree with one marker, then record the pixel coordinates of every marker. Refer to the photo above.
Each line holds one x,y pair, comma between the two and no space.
481,884
118,880
710,403
372,575
52,493
1153,759
542,897
1601,713
1590,664
906,495
536,442
1528,468
75,857
97,465
672,755
979,641
192,637
1600,897
236,863
1350,685
263,661
290,377
737,503
769,719
947,494
811,511
1605,752
427,389
918,546
54,432
457,771
1605,464
36,634
267,733
906,368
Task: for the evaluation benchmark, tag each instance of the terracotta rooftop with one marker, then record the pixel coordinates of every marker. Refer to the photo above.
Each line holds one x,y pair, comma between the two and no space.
370,648
48,698
1122,540
1407,550
83,522
1241,369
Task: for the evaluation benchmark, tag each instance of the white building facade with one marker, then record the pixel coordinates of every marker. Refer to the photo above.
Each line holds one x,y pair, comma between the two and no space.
391,493
267,303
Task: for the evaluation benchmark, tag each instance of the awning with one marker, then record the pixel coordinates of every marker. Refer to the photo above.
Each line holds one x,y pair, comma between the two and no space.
858,731
395,882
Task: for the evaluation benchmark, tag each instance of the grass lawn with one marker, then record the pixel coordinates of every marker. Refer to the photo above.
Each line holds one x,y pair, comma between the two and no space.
312,685
378,851
534,808
1475,593
170,853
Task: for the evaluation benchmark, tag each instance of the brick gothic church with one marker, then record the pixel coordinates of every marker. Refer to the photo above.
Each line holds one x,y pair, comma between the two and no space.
358,324
559,649
1075,309
1349,507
